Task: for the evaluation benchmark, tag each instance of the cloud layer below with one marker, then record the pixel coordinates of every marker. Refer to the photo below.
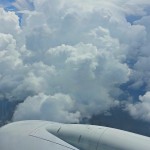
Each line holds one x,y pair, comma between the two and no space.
66,60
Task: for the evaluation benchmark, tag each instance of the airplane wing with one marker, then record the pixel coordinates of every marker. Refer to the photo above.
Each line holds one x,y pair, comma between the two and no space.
43,135
31,135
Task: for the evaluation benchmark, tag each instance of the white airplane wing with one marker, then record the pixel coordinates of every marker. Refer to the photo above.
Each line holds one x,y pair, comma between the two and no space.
31,135
42,135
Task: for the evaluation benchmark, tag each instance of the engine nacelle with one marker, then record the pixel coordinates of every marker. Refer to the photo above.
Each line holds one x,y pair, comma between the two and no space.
88,137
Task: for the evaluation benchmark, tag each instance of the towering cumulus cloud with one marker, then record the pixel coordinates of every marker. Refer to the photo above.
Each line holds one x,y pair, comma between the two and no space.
66,60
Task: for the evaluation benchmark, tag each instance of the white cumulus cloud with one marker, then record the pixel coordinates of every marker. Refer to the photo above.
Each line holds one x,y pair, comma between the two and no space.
57,108
141,110
70,58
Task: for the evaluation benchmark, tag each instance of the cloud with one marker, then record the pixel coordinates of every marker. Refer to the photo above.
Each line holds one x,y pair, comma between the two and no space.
23,4
57,108
72,53
7,19
10,64
141,110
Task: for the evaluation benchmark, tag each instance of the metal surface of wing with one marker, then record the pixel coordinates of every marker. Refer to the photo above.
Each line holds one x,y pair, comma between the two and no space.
43,135
30,135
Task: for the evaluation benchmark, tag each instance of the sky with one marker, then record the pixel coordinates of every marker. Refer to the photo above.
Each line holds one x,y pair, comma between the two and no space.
66,60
